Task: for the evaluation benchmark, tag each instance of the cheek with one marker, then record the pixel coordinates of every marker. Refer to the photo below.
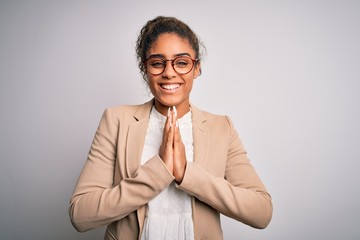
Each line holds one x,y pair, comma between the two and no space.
151,83
189,82
149,79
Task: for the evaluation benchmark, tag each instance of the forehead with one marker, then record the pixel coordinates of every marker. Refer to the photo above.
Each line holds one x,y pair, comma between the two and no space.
169,45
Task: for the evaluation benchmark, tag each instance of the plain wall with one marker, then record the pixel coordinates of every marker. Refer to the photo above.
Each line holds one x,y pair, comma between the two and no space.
286,72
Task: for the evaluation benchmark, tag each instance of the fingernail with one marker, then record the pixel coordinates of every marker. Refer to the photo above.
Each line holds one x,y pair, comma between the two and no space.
168,113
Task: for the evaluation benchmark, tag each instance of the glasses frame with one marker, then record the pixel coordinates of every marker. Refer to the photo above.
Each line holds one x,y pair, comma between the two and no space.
172,64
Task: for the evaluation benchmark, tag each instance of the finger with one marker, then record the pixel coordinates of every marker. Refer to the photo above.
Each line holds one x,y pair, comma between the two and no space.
177,135
175,111
166,148
167,126
170,138
169,130
179,147
179,156
174,116
169,119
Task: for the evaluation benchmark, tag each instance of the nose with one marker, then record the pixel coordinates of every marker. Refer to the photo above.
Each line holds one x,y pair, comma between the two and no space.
169,71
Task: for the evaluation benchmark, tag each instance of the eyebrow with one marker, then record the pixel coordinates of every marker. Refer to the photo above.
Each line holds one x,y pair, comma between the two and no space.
162,55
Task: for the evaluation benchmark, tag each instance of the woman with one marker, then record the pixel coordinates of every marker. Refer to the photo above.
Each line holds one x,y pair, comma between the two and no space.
166,169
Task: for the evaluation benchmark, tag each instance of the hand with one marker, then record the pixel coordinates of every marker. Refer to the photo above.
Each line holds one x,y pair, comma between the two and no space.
172,149
166,151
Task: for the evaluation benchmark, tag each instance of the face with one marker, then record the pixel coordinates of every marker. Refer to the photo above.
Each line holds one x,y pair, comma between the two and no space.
171,88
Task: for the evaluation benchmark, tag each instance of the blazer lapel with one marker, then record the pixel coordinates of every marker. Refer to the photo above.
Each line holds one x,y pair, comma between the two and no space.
136,138
200,136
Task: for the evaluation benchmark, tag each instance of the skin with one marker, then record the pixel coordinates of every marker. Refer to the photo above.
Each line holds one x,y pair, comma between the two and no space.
172,149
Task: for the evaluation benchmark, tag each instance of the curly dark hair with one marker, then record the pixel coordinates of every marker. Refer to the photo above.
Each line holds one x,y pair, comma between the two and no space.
157,26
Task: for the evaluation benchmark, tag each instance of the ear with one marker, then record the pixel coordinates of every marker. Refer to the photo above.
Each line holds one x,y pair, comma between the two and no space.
197,70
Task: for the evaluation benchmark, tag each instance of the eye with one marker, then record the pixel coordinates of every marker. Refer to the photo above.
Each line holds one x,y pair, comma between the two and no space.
182,62
156,63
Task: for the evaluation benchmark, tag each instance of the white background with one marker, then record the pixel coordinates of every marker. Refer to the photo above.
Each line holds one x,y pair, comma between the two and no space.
286,72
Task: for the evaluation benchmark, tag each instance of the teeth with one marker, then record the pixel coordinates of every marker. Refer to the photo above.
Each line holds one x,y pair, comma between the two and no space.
170,87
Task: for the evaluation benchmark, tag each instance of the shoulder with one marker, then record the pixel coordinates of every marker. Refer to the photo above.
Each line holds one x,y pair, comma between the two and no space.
123,109
128,113
137,110
218,126
212,119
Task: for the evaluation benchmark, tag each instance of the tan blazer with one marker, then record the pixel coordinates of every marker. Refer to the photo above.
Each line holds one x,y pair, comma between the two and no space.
113,188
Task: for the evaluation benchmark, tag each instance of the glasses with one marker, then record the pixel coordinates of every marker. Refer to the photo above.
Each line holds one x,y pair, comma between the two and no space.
181,65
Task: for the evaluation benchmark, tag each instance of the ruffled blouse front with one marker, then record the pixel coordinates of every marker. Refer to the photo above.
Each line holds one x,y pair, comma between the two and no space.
169,214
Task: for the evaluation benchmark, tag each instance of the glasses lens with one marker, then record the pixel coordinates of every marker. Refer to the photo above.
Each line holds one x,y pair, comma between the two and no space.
183,65
155,65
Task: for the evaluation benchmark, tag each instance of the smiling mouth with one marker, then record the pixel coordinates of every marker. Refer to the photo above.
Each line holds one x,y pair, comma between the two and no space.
170,86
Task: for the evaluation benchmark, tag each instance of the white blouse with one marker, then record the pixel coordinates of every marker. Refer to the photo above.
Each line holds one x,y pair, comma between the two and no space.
169,214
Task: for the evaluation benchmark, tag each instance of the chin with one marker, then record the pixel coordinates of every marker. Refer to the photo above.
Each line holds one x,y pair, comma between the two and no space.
168,102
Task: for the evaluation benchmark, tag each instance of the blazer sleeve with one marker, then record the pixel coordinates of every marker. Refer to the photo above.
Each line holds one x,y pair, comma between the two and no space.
240,195
96,201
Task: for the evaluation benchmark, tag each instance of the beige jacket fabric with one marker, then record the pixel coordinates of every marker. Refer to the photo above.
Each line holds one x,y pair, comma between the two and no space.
113,187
